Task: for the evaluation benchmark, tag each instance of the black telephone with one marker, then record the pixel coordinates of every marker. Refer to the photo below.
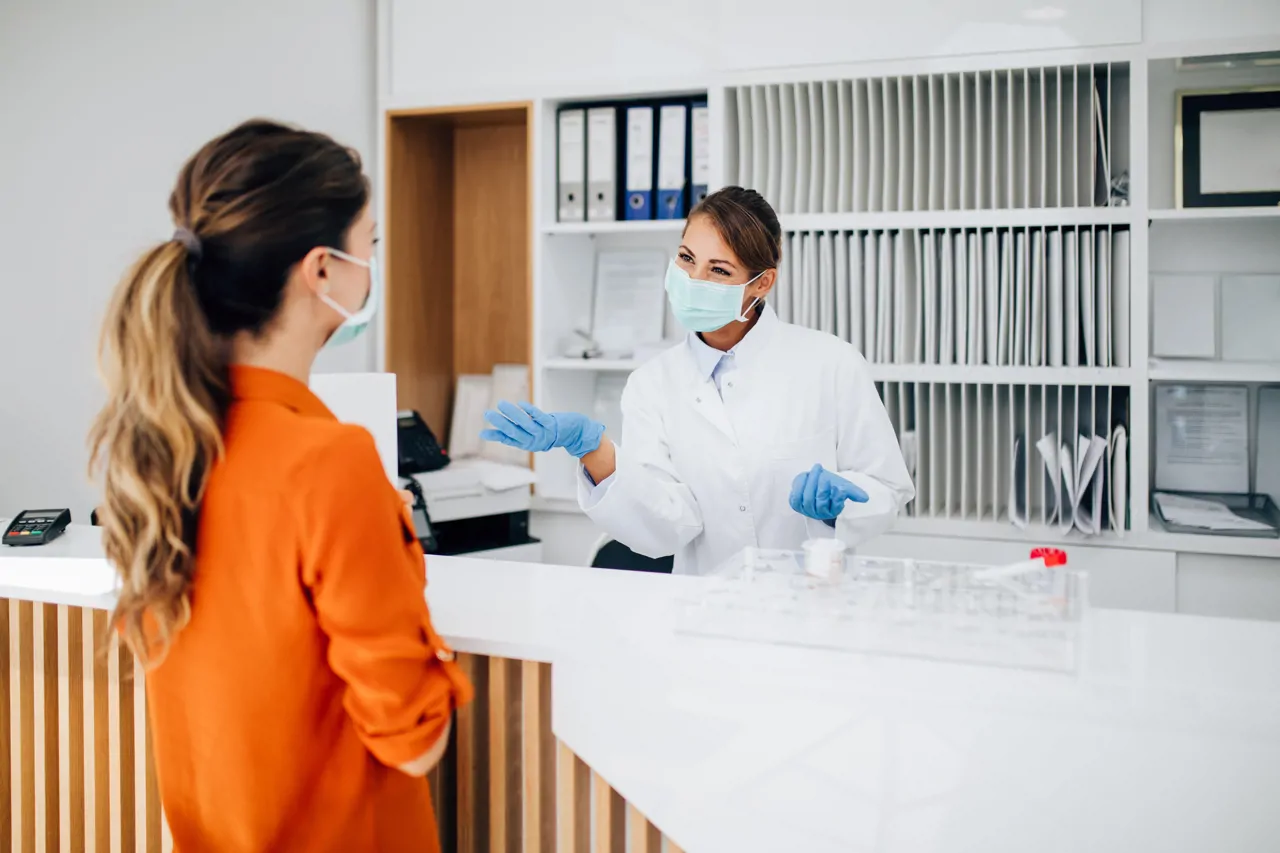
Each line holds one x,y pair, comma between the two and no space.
416,445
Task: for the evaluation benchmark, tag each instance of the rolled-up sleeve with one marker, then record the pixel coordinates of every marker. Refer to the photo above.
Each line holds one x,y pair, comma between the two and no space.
366,576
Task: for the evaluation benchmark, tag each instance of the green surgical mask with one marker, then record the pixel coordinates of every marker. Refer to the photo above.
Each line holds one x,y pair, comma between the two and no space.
354,323
704,306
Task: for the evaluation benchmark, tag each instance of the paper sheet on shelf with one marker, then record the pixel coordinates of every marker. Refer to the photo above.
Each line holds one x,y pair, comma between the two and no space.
470,400
1204,514
1117,457
1048,448
511,383
1267,477
629,300
1018,510
1202,438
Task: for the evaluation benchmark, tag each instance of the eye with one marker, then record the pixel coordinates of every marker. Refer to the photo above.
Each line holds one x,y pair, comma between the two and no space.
722,272
685,257
377,240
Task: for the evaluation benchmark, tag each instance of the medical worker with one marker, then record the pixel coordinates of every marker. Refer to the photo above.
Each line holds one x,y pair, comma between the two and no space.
750,432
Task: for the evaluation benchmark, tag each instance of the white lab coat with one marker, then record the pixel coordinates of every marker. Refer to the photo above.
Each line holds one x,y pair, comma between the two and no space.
703,477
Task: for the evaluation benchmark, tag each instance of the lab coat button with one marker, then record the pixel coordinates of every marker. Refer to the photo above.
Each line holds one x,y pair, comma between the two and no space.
742,509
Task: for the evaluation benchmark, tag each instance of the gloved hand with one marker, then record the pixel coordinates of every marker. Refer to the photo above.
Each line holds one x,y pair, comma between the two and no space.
529,428
819,494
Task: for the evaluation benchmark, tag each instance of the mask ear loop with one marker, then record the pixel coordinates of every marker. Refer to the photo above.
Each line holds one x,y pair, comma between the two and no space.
743,318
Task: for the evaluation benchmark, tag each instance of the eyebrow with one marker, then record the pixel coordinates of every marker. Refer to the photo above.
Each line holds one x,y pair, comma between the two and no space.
712,261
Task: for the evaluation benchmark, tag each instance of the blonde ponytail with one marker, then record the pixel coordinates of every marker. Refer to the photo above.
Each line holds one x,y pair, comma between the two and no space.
155,441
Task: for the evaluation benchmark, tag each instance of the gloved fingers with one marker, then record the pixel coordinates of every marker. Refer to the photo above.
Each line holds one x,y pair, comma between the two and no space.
540,417
797,492
504,425
814,479
827,498
854,493
518,416
501,438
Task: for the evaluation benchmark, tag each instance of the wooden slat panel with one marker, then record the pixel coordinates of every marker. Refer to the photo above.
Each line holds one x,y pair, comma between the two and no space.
126,745
48,761
102,746
74,807
573,802
473,761
26,842
644,836
505,800
610,824
6,733
38,817
672,847
538,764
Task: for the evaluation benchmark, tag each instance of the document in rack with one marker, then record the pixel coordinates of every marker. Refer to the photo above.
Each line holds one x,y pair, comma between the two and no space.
1202,438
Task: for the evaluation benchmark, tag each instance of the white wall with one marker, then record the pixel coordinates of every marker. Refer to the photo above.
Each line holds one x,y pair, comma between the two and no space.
100,103
579,46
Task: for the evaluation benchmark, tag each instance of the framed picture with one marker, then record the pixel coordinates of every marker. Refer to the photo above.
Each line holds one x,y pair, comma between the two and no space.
1225,148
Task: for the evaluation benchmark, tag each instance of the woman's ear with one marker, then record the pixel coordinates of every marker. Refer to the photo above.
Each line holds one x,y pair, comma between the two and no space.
764,284
313,269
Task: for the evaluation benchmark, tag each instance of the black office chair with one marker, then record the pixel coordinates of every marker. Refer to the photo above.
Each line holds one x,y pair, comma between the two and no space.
612,554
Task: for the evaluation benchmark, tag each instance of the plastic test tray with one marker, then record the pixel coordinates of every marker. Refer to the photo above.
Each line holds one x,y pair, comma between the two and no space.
898,607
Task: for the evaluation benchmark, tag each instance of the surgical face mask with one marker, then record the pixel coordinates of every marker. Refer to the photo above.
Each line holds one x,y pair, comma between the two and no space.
704,306
354,323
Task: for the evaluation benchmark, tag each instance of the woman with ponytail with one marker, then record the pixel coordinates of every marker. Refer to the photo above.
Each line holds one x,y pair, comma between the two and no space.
270,579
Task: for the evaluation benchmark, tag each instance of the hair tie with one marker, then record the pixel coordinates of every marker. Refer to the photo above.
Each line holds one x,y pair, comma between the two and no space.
190,242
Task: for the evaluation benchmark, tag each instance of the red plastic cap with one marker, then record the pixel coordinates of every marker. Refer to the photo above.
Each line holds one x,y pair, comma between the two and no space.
1051,556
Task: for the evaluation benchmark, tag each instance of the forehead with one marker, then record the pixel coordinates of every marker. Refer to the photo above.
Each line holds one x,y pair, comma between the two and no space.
704,240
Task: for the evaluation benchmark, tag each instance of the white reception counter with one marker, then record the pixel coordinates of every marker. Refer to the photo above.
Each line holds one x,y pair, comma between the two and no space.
1167,738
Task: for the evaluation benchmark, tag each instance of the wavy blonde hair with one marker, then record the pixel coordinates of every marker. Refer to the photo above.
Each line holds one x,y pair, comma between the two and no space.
249,205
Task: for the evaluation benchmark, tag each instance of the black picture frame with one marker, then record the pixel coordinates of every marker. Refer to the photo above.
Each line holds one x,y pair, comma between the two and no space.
1191,106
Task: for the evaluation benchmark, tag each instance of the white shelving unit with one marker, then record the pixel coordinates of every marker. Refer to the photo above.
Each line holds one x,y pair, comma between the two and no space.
1213,214
1015,158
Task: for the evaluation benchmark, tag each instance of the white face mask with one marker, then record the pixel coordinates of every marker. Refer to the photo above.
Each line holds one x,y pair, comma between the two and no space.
354,323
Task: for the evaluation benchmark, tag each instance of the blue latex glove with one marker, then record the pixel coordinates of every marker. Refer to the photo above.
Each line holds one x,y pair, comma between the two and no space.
819,494
529,428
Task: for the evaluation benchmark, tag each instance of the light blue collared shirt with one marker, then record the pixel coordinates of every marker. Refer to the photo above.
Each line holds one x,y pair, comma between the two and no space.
711,363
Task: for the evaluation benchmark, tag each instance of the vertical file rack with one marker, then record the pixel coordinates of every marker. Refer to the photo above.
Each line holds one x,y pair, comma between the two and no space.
969,233
983,235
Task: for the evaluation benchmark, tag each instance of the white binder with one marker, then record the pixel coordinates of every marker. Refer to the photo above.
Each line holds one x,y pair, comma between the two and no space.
572,142
673,133
602,168
700,140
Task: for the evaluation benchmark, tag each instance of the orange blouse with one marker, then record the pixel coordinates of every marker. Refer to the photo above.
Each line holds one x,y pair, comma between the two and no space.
309,669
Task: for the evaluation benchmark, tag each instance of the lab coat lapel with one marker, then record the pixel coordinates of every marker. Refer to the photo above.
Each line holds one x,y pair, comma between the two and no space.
706,402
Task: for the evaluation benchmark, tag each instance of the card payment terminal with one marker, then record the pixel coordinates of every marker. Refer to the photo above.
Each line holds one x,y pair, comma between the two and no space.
37,526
